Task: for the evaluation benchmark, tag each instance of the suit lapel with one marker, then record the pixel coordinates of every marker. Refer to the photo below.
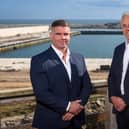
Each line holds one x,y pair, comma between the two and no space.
74,71
56,60
120,59
126,82
126,79
122,54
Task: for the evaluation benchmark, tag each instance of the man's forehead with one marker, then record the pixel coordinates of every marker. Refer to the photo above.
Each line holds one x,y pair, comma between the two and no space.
61,28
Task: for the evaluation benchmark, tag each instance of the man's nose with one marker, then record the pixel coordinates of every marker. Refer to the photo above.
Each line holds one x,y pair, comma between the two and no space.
63,36
127,30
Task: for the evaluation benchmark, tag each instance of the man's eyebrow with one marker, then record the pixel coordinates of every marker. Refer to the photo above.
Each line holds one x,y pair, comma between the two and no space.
57,33
62,33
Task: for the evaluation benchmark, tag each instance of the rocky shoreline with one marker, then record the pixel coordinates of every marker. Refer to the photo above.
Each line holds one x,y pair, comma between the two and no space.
23,114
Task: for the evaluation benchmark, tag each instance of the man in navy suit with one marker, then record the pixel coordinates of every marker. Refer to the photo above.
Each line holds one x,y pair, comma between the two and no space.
60,82
118,80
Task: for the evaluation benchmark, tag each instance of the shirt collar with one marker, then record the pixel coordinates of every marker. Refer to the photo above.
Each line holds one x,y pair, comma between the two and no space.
59,53
126,44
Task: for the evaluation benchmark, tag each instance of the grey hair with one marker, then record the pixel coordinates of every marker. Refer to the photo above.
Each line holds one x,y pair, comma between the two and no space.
125,14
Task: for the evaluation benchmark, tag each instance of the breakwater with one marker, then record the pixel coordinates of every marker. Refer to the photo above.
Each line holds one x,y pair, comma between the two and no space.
23,43
27,40
101,31
32,36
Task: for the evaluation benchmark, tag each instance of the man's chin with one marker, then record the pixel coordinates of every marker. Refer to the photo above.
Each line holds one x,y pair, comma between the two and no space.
64,46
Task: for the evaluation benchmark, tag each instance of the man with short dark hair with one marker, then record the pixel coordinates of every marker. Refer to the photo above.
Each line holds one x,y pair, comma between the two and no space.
61,83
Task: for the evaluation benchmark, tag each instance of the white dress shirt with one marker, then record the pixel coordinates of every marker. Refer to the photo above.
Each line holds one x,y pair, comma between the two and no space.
125,66
66,65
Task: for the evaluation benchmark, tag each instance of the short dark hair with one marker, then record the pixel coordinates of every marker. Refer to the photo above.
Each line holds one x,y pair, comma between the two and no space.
59,22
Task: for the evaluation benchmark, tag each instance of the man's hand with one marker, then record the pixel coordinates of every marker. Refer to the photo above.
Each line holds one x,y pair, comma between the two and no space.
75,107
118,103
67,116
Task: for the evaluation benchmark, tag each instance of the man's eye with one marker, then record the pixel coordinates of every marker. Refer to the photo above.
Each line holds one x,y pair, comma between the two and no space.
65,34
124,25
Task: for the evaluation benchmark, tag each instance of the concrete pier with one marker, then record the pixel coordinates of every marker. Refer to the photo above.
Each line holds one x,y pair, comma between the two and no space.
13,38
101,31
10,45
25,38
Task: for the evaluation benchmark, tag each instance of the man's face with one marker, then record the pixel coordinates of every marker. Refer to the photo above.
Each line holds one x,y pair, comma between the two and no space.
125,27
60,37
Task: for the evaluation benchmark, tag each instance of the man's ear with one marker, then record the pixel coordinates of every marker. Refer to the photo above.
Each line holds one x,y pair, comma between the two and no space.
70,34
50,34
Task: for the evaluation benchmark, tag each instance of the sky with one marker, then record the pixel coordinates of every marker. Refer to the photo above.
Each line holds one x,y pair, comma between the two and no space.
66,9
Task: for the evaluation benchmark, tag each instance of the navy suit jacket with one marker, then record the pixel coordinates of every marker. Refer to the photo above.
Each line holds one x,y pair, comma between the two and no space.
53,89
115,75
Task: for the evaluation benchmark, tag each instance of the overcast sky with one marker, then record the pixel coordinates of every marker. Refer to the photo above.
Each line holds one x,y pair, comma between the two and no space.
68,9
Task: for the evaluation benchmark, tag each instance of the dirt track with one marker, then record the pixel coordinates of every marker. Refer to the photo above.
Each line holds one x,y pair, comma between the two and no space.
21,79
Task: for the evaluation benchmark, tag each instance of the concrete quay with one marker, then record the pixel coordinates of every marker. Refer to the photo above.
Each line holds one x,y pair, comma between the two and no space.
10,45
6,64
13,38
96,63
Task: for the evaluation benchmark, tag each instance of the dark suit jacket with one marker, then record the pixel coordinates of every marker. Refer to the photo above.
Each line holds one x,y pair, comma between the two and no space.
54,90
115,75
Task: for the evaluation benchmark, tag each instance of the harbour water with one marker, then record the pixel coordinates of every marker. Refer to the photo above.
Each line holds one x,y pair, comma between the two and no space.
90,46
